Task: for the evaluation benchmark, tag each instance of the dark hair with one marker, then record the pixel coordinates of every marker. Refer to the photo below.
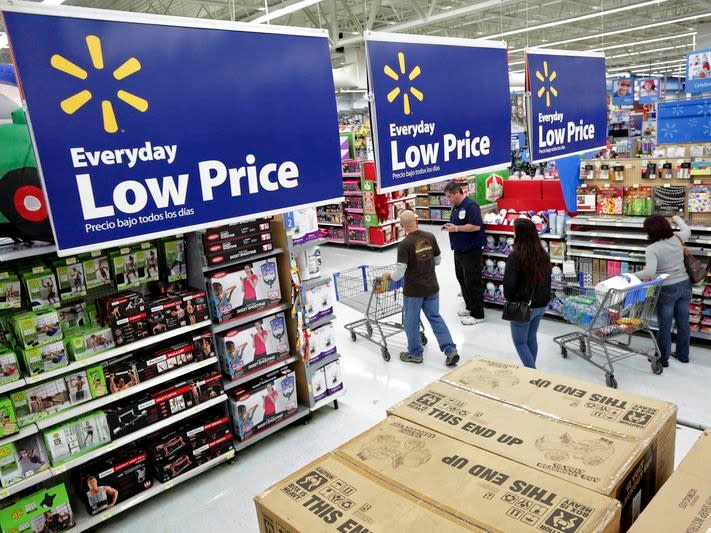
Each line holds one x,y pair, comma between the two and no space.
453,187
534,260
658,228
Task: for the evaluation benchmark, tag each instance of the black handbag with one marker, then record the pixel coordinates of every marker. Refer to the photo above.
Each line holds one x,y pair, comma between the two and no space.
518,311
695,268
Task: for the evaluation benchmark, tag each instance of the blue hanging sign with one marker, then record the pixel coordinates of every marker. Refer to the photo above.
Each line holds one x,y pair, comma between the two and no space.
623,91
147,126
698,71
567,103
440,108
684,121
649,90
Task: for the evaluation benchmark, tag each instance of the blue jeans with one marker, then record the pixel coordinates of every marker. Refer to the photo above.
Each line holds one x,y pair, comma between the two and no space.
524,337
673,305
430,305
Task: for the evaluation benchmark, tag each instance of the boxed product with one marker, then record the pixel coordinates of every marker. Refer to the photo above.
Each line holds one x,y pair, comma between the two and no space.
70,278
309,263
322,342
318,384
120,374
334,382
38,402
75,315
165,314
87,341
10,296
121,305
609,200
131,328
482,488
8,421
44,358
203,346
44,511
96,380
34,328
333,495
9,371
252,346
638,201
172,254
164,360
620,467
113,479
135,265
206,386
587,199
302,224
22,459
235,243
189,436
86,384
188,459
76,437
238,253
263,402
244,289
234,230
194,303
41,287
682,504
319,302
96,269
670,200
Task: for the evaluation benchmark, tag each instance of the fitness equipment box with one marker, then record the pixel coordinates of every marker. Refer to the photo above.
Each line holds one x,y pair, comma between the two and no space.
9,423
319,302
592,406
76,437
263,402
130,329
45,358
113,479
10,295
252,346
87,341
334,382
38,327
203,345
682,504
120,373
482,488
322,342
231,231
302,224
331,495
172,256
22,459
182,462
39,402
70,278
165,360
189,436
246,288
74,315
318,384
125,313
96,269
9,370
194,302
40,286
238,253
133,266
614,466
227,246
45,510
86,384
165,314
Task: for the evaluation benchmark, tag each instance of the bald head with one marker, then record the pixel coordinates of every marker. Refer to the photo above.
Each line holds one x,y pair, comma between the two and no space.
408,220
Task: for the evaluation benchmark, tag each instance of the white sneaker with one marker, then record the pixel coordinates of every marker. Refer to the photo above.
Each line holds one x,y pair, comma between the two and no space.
464,312
471,321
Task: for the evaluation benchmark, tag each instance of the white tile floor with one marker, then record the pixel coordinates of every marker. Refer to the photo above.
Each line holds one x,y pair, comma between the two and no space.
221,500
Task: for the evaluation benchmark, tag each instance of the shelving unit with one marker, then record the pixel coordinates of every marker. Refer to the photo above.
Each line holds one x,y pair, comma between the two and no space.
300,413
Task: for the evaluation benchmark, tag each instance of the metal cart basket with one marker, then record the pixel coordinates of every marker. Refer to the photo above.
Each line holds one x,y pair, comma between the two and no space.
366,289
608,320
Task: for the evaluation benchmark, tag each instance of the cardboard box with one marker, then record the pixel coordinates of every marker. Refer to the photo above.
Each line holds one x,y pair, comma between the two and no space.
203,345
334,382
181,462
22,459
45,358
318,384
120,373
76,437
480,487
8,418
239,253
10,295
622,468
164,360
132,266
684,502
172,254
70,278
330,495
235,243
166,314
121,305
577,402
189,436
319,302
96,269
322,342
75,315
302,224
195,305
9,370
45,510
234,230
40,401
38,327
41,287
88,341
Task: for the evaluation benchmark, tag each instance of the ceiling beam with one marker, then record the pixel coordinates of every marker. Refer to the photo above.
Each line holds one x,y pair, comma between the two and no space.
374,10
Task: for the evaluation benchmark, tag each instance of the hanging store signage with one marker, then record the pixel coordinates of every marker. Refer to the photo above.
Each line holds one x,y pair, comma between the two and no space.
623,91
136,141
698,71
441,108
649,90
684,121
567,103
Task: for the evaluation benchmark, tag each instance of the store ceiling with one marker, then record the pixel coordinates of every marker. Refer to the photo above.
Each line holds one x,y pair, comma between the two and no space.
642,36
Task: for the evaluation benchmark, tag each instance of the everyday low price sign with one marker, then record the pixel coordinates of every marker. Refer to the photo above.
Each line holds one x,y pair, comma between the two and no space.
441,108
147,126
567,103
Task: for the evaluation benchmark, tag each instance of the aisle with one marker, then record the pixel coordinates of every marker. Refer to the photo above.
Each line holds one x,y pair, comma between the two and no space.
221,500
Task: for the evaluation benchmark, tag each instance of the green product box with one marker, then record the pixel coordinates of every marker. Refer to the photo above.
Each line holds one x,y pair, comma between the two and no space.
85,342
10,297
9,371
70,278
74,315
147,259
22,459
40,401
46,510
93,314
96,269
10,472
41,359
124,268
8,422
35,328
97,381
77,437
41,286
172,253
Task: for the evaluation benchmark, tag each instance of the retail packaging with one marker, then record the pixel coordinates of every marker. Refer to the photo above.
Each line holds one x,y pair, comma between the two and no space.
623,468
113,479
231,231
125,313
302,224
236,243
238,254
165,314
189,436
120,373
263,402
41,287
44,358
96,269
334,382
244,289
322,342
592,406
164,360
203,345
74,315
8,419
40,401
318,384
252,346
96,380
76,437
319,302
22,459
181,462
45,510
86,384
484,489
132,266
309,263
9,370
38,327
87,341
70,278
684,502
10,295
172,255
194,304
331,495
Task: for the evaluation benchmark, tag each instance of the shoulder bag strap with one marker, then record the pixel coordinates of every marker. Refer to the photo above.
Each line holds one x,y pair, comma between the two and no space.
683,246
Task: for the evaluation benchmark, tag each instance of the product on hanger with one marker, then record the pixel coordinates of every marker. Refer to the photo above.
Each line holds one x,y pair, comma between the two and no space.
699,198
604,173
334,381
669,200
649,172
683,170
609,200
586,199
666,171
637,200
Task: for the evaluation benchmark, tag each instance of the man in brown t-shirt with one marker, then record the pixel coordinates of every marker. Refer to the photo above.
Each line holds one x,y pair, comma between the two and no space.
417,256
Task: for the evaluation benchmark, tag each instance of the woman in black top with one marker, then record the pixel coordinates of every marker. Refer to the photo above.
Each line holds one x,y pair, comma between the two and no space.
527,279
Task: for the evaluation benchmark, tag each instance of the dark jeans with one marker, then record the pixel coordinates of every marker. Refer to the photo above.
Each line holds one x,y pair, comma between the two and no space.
525,339
467,266
673,306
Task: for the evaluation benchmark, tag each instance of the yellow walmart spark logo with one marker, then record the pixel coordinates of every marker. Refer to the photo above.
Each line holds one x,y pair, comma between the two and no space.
545,77
73,103
393,94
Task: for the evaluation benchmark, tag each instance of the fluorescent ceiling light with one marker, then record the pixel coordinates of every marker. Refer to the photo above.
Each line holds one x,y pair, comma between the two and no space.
280,12
647,65
646,41
3,40
650,51
53,2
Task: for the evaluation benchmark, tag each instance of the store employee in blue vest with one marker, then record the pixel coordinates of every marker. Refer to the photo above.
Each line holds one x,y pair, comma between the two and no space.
466,235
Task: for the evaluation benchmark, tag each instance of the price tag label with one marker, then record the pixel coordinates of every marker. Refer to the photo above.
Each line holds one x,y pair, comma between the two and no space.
106,515
230,454
4,493
59,469
38,270
168,484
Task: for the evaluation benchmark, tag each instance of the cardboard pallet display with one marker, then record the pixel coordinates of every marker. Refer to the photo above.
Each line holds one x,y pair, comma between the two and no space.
331,495
481,488
684,502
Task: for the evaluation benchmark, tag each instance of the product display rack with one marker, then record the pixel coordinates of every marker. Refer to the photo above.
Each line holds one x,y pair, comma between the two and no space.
302,413
431,205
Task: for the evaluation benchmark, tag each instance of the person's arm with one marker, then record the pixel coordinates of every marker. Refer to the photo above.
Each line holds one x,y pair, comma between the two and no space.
401,265
510,277
113,494
684,231
437,252
650,268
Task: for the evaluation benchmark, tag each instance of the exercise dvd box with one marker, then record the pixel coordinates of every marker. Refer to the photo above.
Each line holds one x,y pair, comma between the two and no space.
236,254
231,231
331,495
235,243
484,489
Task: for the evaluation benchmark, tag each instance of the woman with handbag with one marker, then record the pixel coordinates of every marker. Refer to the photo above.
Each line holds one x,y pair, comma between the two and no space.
527,289
666,255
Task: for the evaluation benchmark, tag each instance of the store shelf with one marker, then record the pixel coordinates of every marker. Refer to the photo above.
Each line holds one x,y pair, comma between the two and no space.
552,236
311,283
335,241
352,193
401,199
357,228
328,399
115,352
251,258
320,363
297,248
31,481
361,243
610,234
9,387
85,522
629,259
356,210
591,244
387,244
249,317
332,224
132,437
9,251
300,413
96,403
231,384
435,192
389,222
24,432
322,321
351,174
494,254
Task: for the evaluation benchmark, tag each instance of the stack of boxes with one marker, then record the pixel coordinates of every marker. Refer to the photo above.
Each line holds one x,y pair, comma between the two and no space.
236,241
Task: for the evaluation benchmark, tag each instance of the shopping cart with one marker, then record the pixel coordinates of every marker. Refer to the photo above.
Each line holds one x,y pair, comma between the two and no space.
605,317
367,290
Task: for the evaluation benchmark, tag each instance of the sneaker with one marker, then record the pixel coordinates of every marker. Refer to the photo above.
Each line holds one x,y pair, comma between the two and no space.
464,312
409,358
677,358
471,321
452,359
665,363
